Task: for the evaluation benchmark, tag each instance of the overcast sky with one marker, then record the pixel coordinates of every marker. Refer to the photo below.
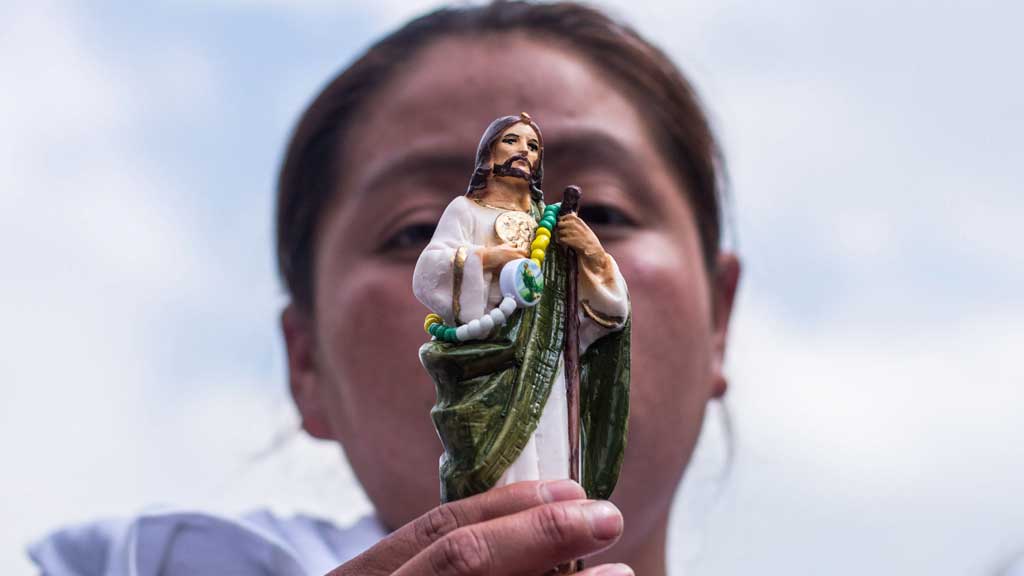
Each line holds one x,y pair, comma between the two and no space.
875,159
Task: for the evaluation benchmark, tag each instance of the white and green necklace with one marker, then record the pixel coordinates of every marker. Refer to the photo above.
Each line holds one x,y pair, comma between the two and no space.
521,282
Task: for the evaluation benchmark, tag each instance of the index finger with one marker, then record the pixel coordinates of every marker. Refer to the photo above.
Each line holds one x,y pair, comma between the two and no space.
392,552
529,542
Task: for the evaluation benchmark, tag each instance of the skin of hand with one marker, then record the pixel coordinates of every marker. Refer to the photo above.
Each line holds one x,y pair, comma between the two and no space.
494,257
369,392
525,528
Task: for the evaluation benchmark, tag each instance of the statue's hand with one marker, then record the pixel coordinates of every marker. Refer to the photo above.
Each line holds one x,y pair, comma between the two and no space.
495,257
574,233
522,528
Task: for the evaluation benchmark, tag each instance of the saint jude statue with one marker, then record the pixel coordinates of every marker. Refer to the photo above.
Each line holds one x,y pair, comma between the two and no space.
494,277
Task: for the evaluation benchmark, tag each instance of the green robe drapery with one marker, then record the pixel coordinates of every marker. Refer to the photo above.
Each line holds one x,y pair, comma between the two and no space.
490,394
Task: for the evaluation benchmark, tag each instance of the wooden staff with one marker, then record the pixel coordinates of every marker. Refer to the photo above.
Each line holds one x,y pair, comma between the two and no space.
571,353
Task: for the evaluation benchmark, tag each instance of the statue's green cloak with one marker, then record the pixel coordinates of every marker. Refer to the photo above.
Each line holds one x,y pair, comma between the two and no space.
490,394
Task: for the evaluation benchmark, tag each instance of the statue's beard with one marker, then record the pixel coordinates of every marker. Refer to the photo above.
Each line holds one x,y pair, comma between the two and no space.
506,168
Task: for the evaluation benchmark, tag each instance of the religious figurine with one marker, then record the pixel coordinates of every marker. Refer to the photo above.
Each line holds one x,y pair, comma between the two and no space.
513,321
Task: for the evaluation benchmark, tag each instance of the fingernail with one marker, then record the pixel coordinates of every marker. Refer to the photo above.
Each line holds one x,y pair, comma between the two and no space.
561,490
605,519
614,570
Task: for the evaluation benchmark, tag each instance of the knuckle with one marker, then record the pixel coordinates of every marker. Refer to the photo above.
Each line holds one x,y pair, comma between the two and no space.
435,525
555,523
462,553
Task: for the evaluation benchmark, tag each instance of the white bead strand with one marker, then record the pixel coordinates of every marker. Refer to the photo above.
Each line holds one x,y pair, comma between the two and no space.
498,316
508,305
486,325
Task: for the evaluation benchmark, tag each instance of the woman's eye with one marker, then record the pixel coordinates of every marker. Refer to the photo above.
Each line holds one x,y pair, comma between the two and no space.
409,237
604,215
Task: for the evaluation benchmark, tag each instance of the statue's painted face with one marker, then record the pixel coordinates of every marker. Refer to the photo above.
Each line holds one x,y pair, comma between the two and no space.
517,148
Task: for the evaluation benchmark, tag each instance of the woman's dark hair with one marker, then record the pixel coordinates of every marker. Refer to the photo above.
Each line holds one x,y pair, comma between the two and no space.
310,172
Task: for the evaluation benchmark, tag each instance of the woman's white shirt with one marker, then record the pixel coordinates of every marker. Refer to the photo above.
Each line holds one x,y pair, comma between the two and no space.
183,543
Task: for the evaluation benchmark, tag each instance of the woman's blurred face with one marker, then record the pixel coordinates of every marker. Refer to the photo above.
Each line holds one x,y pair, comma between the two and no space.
409,154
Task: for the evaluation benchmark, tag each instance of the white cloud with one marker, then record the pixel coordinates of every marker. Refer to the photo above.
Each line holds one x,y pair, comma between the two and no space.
865,451
106,253
384,12
93,247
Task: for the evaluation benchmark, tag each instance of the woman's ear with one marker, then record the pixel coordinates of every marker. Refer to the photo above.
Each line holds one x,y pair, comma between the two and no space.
303,373
723,286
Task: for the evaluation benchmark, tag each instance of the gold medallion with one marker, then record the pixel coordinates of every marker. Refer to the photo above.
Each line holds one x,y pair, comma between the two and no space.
515,227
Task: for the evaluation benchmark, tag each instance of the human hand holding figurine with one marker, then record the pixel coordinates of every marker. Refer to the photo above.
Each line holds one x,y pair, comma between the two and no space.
523,528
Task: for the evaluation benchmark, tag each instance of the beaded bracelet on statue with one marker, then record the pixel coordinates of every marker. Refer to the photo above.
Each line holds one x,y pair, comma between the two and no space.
521,284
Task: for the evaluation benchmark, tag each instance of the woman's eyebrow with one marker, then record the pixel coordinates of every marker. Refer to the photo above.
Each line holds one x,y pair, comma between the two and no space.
586,145
588,148
578,148
427,163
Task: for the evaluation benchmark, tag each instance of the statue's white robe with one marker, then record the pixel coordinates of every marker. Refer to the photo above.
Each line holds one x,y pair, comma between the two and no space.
467,224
